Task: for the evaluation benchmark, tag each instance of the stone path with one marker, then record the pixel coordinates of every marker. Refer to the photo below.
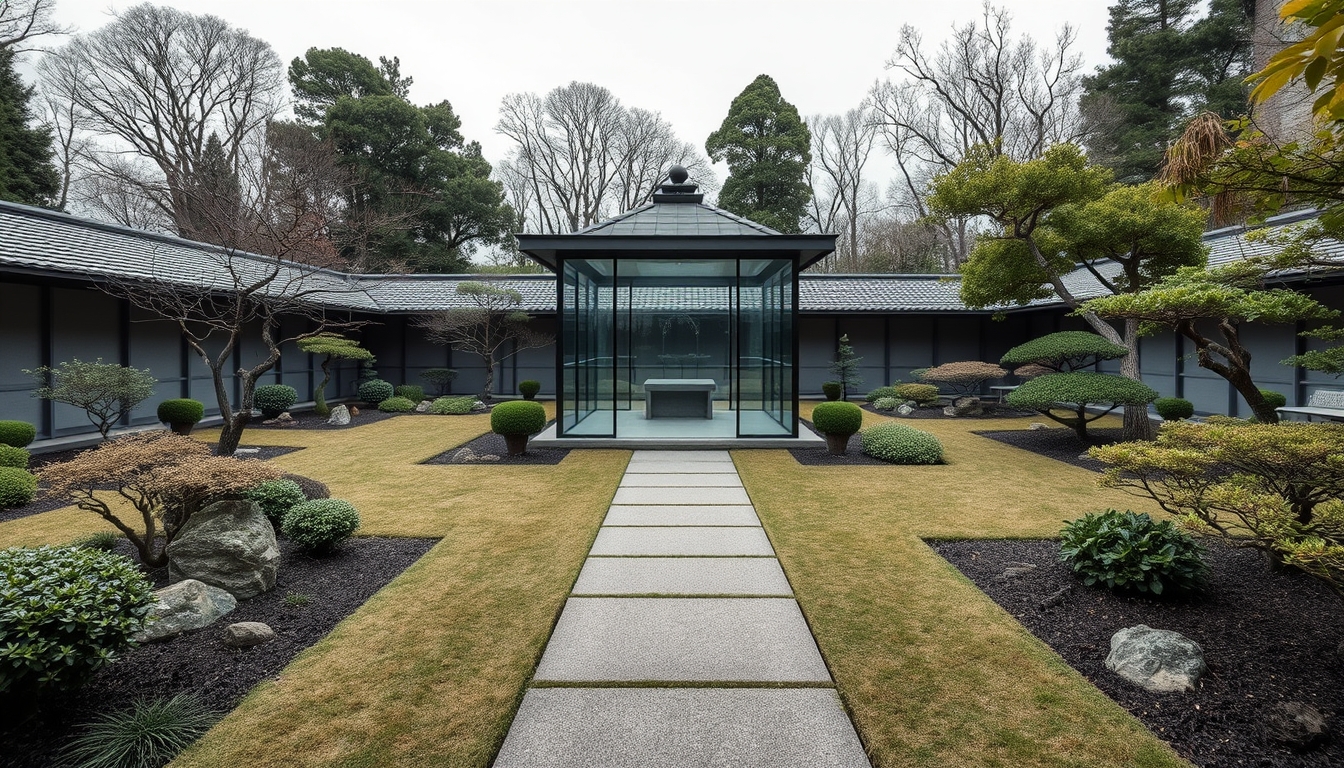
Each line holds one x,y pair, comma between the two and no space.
681,645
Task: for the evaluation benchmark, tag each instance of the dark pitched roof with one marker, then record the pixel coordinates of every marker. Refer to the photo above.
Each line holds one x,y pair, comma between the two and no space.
678,219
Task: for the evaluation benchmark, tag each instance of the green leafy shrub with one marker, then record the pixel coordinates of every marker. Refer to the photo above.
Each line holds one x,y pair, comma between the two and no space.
1174,408
1128,551
14,457
148,734
106,392
181,411
1074,392
453,406
837,418
413,392
374,391
312,489
17,487
529,388
67,612
1063,351
274,399
320,525
440,378
879,393
397,405
103,540
1274,399
17,433
922,394
832,390
276,497
521,417
887,403
899,444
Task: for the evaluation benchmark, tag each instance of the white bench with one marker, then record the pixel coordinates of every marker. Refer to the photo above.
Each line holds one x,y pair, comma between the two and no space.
1326,403
679,398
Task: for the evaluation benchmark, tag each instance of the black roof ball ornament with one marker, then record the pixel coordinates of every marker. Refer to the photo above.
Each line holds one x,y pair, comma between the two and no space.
678,174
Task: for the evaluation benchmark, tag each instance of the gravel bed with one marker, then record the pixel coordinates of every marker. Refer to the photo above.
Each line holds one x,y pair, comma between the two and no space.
992,409
310,420
198,662
1269,635
490,449
1059,444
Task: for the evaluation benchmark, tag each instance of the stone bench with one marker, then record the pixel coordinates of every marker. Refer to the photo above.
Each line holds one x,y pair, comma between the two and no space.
1326,403
679,398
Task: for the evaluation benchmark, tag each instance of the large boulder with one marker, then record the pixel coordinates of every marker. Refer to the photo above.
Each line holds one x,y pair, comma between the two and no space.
1156,659
340,416
188,604
229,544
964,406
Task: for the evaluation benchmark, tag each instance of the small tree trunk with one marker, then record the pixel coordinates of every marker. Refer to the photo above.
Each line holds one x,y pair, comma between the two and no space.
1080,424
489,377
232,432
1137,424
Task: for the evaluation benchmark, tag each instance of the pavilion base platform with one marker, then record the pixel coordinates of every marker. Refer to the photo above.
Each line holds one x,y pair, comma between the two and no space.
633,430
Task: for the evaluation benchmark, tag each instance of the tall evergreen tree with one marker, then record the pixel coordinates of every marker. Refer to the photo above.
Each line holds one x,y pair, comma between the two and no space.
767,147
26,172
216,206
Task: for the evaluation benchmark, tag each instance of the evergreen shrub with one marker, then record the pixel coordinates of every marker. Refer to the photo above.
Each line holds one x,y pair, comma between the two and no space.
181,411
520,417
887,403
274,399
14,457
320,525
397,405
413,392
899,444
879,393
1274,399
923,394
529,389
17,433
453,406
17,487
374,391
1128,551
832,390
837,418
276,497
1173,408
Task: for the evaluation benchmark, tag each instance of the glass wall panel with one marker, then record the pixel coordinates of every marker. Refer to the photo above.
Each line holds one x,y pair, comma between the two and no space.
765,347
589,354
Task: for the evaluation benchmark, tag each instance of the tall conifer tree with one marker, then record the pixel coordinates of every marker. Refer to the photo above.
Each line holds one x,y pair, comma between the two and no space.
767,147
26,172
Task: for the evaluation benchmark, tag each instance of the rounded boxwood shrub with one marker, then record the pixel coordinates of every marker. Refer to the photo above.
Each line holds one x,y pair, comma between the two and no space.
181,411
274,399
17,433
374,391
832,390
923,394
276,497
899,444
1173,408
14,457
529,388
887,403
68,611
453,406
17,487
879,393
1128,551
1274,399
413,392
397,405
520,417
320,525
837,418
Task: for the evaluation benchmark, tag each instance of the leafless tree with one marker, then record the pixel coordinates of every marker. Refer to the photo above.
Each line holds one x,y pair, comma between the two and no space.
842,197
891,242
489,322
981,86
580,156
154,85
23,20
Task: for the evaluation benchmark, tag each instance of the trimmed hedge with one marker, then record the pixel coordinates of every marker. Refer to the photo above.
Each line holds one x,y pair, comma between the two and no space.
1173,408
529,388
453,406
274,399
413,392
320,525
17,433
14,457
375,391
181,411
17,487
1128,551
923,394
837,418
276,498
520,417
899,444
833,390
1274,399
397,405
1066,350
879,393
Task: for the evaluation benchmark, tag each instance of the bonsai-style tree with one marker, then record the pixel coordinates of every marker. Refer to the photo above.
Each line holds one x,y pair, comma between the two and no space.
489,322
440,378
1075,392
106,392
332,346
845,368
965,378
1063,351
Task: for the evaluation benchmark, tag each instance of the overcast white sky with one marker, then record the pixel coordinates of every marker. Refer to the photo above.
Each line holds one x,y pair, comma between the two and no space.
684,58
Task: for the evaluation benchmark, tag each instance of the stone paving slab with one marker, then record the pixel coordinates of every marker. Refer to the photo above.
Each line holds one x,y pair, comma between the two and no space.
680,456
653,514
706,639
681,728
682,576
692,496
681,540
682,467
637,480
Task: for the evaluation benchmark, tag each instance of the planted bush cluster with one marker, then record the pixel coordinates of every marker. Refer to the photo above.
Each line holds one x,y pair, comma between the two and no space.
899,444
453,406
67,612
887,403
374,391
17,487
320,525
1129,551
17,433
181,411
1074,391
274,399
14,457
412,392
440,378
922,394
965,377
880,393
1173,408
837,418
276,498
1274,399
397,405
520,417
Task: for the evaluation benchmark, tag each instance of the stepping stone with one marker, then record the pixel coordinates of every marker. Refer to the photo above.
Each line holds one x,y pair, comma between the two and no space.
681,728
682,515
691,496
682,576
682,540
680,467
705,639
680,456
632,480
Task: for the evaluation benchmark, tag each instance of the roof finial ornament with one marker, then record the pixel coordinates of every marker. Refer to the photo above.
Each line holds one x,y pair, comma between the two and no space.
678,174
678,189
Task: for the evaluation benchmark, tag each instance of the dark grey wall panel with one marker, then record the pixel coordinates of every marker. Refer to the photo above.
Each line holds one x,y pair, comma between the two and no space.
20,348
86,325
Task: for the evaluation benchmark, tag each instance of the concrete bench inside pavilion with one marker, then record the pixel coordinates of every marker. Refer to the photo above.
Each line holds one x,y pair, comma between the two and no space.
679,398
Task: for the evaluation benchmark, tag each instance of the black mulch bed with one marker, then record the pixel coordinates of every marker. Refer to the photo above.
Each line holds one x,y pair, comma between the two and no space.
992,410
198,662
1268,636
822,457
310,420
490,449
1060,444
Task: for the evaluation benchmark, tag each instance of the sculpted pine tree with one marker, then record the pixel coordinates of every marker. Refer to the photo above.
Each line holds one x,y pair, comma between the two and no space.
767,147
332,346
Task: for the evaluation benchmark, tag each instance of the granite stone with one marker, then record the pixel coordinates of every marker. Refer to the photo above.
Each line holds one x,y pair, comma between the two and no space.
648,467
638,480
656,455
681,540
652,514
682,576
692,496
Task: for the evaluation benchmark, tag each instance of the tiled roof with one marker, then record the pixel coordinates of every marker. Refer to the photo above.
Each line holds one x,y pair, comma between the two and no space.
662,219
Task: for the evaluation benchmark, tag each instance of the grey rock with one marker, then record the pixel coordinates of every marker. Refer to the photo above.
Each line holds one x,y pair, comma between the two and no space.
1156,659
468,456
229,544
1035,425
1294,724
340,416
188,604
423,406
964,406
246,634
905,410
1014,570
246,453
1056,597
479,406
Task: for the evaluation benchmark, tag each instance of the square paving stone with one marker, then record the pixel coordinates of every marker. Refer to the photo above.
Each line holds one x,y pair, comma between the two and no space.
682,576
680,467
653,514
693,496
680,456
681,728
633,480
681,540
706,639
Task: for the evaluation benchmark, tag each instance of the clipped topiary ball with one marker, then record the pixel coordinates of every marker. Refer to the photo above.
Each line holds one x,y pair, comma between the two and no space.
837,418
1173,408
529,388
1274,399
320,525
181,411
899,444
274,399
17,487
518,418
833,390
413,392
397,405
276,497
453,406
17,433
374,391
14,457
